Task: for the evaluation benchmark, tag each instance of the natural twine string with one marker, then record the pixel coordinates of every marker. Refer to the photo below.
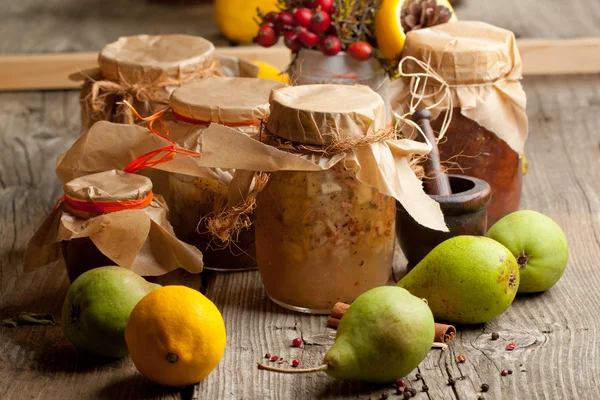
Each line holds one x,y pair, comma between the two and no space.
142,91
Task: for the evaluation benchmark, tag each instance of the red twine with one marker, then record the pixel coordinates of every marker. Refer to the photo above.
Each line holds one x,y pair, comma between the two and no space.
105,207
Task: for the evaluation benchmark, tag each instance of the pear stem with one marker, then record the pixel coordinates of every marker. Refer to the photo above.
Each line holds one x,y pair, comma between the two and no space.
292,371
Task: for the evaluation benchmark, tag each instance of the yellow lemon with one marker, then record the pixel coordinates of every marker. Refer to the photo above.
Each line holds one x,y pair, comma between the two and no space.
269,71
236,18
388,27
176,336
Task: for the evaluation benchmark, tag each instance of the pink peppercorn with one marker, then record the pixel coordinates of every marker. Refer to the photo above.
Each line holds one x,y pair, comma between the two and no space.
504,372
274,358
511,346
295,363
297,342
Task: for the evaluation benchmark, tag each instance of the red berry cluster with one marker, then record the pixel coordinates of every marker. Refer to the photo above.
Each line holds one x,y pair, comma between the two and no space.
308,27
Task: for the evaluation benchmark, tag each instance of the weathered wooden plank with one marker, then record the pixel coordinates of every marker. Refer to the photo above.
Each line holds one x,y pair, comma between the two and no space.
51,71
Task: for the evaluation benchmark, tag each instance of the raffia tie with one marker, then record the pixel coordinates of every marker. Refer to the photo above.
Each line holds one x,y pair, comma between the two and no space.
336,147
145,92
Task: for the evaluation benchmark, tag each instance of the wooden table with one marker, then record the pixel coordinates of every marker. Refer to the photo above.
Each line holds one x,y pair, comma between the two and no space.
557,354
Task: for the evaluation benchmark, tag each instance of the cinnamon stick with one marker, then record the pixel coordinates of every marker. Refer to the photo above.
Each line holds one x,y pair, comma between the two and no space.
443,333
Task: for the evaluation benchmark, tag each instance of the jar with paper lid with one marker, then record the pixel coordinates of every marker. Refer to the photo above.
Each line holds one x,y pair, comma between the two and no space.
474,69
239,103
323,236
111,218
144,70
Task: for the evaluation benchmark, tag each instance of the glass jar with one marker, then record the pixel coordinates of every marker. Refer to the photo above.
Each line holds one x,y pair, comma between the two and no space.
192,199
475,69
322,237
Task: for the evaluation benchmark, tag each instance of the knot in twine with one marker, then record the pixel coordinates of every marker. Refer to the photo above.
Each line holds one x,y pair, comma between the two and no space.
418,84
143,91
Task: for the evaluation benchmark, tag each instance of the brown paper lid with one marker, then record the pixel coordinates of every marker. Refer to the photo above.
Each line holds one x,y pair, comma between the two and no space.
320,114
224,100
152,57
465,52
111,185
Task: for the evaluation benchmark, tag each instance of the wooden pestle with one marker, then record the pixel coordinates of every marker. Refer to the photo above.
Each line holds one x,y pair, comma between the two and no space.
436,181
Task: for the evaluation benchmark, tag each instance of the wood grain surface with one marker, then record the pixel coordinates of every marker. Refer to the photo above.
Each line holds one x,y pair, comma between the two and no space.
556,332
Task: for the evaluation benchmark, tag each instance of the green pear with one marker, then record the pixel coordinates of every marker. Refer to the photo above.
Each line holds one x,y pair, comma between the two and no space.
539,245
466,279
382,337
97,308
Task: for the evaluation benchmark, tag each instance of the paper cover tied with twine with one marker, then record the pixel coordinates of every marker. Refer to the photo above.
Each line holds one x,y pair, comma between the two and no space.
126,223
470,66
313,128
144,70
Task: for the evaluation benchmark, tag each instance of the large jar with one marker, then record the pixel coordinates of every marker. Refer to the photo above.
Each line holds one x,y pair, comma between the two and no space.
322,237
242,104
324,221
481,70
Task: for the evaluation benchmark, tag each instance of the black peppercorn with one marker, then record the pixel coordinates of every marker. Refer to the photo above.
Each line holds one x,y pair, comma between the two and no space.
485,387
510,371
495,336
407,394
413,391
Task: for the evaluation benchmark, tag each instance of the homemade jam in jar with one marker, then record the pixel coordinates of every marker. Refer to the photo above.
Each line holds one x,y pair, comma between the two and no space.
241,104
481,68
113,218
322,237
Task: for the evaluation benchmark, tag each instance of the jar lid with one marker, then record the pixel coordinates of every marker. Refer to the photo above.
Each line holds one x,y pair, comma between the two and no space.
148,57
465,52
108,186
224,100
324,114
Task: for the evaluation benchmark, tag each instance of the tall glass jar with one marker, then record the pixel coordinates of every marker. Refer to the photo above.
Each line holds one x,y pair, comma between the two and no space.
240,103
480,70
322,237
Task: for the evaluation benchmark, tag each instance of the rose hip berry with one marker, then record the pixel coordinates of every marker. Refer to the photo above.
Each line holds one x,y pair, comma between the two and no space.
307,38
285,21
461,358
295,363
291,41
267,36
297,342
330,45
302,16
320,21
271,17
361,51
323,5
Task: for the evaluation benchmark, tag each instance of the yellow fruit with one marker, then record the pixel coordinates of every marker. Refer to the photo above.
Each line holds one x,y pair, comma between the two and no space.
388,28
176,336
268,71
236,18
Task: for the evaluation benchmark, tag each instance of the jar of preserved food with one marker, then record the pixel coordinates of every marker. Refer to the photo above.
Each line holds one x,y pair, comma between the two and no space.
325,219
474,69
111,218
145,69
242,104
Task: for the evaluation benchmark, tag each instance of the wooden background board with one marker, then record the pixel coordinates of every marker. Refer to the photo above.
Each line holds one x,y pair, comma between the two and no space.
563,182
51,71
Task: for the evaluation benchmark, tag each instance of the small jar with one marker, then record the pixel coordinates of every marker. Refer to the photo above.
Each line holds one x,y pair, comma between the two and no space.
323,236
481,71
242,104
113,218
